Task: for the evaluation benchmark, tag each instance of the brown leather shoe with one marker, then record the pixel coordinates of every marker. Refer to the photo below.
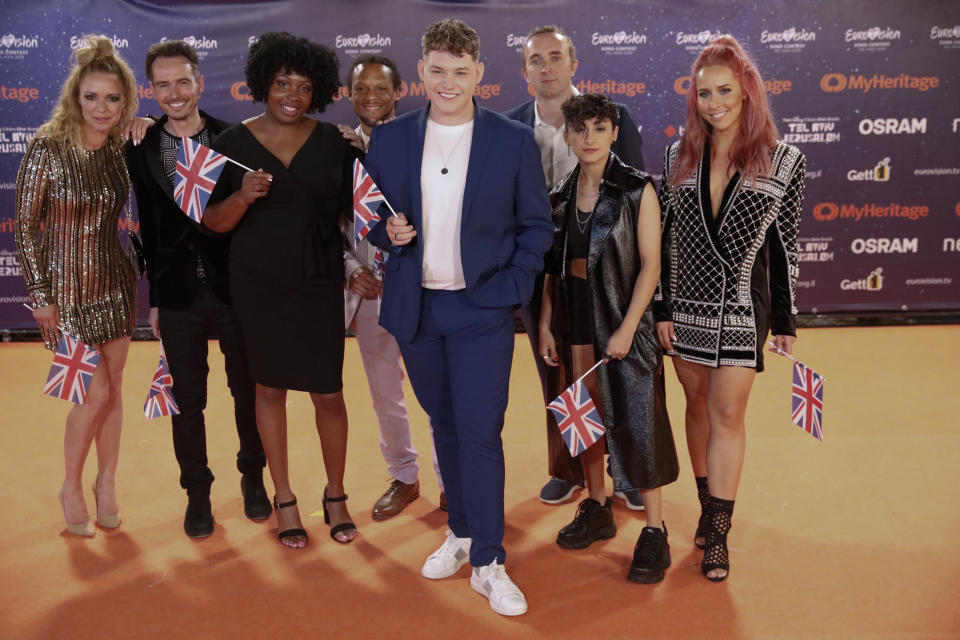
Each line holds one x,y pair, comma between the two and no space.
398,496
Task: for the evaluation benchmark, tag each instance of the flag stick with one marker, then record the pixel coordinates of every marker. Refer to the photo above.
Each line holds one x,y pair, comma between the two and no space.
589,371
773,348
242,166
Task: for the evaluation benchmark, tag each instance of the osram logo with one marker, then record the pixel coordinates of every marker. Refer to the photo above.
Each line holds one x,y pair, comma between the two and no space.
892,126
837,82
884,245
827,211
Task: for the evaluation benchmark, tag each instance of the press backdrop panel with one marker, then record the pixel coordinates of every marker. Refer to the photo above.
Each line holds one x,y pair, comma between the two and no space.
868,90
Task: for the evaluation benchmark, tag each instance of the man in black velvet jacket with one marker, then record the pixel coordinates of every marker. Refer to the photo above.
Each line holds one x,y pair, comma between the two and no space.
189,294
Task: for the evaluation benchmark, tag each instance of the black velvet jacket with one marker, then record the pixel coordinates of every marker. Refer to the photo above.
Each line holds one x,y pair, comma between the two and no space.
171,240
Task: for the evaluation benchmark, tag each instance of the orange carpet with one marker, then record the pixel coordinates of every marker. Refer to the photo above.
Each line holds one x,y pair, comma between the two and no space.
854,537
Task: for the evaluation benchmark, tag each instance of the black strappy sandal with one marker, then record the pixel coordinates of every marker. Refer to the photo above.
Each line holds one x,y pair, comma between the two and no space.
703,494
288,533
343,526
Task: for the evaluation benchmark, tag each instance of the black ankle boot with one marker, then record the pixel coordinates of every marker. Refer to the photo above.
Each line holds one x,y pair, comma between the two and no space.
651,556
716,556
198,521
703,494
256,505
594,521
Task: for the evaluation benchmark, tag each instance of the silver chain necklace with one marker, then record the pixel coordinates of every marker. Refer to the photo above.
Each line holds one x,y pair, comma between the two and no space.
583,224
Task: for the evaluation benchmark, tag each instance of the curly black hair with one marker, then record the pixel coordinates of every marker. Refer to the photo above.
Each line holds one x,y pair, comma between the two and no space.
278,51
578,109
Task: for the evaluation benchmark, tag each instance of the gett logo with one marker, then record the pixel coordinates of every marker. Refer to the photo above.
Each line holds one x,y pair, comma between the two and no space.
240,91
833,82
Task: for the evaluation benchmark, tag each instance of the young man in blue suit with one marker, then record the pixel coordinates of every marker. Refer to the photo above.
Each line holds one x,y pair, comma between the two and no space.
472,227
549,62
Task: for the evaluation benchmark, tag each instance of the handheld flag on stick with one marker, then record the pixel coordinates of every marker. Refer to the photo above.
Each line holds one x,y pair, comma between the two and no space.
808,399
198,168
807,409
72,369
160,401
366,200
577,417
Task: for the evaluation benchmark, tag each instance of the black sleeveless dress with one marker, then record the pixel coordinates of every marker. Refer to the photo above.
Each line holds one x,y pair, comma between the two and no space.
286,258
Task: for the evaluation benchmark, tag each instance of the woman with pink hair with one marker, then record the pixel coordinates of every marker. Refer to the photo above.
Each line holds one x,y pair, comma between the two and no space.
731,198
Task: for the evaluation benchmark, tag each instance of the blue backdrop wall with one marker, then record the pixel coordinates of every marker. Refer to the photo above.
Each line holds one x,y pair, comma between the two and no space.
868,89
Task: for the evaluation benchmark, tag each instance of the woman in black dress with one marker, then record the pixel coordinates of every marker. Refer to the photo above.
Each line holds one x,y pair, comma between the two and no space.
731,197
286,260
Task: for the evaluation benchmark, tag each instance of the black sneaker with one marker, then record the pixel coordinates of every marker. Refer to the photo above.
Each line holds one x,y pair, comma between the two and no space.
593,522
651,556
256,505
198,521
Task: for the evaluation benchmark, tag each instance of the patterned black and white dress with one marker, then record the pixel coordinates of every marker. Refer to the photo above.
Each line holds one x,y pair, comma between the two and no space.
726,280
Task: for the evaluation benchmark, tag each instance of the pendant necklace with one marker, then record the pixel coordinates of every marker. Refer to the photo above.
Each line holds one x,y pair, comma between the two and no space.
446,160
582,224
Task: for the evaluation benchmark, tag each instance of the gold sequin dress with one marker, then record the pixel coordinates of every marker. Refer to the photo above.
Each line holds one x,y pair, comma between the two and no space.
68,203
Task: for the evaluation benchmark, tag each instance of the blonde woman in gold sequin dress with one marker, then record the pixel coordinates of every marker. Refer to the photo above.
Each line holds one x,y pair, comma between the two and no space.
71,190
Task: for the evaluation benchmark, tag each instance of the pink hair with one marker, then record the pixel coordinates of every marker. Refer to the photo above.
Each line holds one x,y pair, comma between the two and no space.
750,151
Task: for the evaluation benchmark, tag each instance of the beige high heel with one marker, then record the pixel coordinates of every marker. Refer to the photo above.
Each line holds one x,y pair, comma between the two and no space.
106,521
84,529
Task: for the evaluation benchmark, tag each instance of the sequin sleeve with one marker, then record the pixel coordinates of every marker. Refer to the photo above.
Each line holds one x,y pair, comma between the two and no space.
784,267
33,180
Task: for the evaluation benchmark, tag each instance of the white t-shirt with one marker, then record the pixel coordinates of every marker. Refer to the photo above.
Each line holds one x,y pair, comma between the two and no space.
444,147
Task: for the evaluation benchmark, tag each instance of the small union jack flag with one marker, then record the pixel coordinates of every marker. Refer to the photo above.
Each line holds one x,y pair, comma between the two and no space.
379,260
198,168
160,401
72,369
808,399
366,201
580,423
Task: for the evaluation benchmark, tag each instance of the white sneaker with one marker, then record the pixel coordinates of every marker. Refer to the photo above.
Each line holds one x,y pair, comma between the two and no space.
447,560
493,582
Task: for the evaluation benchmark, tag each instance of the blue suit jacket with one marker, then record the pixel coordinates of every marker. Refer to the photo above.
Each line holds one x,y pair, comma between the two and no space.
627,146
505,227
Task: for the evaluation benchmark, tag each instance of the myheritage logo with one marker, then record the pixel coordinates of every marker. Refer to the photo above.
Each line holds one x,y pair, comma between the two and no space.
837,82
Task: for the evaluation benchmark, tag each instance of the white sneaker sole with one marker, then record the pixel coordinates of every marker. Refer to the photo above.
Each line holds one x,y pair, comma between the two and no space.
479,589
620,494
